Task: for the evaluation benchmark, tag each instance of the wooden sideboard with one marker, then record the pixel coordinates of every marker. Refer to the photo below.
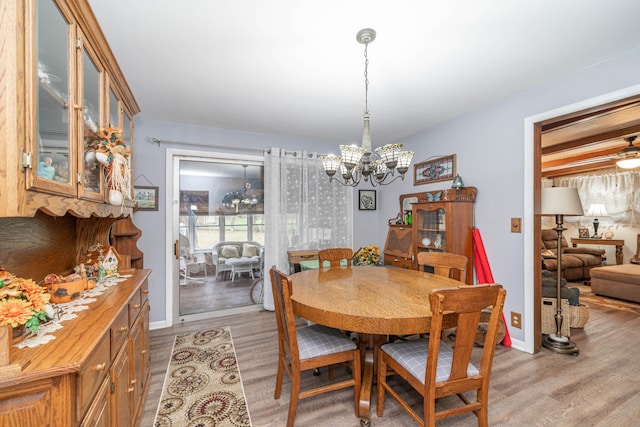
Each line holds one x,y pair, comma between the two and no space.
94,373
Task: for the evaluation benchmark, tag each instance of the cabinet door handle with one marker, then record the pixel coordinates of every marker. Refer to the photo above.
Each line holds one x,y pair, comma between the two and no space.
123,329
101,366
136,306
145,291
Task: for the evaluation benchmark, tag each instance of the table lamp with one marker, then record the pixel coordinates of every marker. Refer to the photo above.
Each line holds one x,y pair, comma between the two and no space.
560,201
596,210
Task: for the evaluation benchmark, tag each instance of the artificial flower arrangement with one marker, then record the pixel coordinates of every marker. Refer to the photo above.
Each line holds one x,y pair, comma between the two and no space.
22,301
108,148
369,255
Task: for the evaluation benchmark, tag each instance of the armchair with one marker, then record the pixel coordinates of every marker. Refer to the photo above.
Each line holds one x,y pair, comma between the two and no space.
576,262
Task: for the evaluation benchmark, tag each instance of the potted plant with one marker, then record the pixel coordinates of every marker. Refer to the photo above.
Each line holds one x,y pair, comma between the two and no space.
22,303
369,255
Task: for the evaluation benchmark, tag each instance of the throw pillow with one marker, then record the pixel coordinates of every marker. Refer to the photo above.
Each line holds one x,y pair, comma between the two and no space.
249,250
229,251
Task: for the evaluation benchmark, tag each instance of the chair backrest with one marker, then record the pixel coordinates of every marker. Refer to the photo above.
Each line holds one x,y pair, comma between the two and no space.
334,256
444,264
468,302
288,341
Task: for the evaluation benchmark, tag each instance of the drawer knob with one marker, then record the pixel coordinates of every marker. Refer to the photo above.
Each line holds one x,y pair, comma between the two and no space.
123,329
131,389
101,366
136,306
145,291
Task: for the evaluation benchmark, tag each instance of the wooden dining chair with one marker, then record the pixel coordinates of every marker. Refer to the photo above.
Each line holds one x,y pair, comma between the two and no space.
444,264
435,369
334,256
307,348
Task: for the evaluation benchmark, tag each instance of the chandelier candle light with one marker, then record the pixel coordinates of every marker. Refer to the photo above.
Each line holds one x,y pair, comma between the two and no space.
356,163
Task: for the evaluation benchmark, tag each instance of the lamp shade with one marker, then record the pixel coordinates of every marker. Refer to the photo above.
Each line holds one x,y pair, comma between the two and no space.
597,209
561,201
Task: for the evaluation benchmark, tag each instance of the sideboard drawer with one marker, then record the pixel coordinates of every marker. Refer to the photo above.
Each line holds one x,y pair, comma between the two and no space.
144,292
134,307
400,262
119,331
92,374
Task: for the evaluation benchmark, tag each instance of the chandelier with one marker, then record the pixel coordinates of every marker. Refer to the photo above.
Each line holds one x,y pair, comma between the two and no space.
357,163
629,156
234,199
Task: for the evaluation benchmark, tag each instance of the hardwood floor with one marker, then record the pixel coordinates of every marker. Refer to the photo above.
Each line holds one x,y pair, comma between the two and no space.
204,294
599,387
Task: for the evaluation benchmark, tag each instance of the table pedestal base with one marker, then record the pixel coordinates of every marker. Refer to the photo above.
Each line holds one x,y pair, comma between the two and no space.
369,345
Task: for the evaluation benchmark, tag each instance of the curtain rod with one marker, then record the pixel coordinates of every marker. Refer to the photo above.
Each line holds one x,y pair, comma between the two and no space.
159,141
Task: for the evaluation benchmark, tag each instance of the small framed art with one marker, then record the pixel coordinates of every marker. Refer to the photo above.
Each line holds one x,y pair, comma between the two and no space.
146,198
367,200
435,170
583,233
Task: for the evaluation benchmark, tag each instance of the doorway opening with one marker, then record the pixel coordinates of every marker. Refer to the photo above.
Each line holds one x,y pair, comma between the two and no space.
218,204
584,124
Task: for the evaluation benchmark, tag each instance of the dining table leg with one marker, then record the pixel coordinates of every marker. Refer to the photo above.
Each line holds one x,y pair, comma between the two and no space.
368,344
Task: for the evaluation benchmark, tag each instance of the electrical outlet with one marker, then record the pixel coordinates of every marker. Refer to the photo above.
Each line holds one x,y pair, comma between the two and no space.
516,320
516,225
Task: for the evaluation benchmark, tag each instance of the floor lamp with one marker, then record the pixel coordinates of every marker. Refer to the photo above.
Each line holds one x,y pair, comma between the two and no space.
560,201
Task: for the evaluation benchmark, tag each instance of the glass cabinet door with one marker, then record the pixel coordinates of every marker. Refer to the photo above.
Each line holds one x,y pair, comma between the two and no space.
92,179
431,229
53,162
114,110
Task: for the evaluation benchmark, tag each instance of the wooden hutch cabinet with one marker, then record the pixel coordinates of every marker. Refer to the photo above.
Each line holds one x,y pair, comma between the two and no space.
444,223
60,83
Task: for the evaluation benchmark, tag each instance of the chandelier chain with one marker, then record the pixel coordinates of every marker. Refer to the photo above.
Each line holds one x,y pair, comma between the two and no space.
366,79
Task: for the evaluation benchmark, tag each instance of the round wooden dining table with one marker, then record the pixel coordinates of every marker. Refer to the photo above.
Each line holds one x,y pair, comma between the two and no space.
373,302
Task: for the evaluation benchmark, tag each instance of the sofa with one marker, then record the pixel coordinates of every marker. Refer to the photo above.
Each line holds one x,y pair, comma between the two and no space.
576,262
225,254
617,281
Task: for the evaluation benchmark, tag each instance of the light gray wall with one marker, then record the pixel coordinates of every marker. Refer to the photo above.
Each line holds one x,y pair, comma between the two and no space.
489,144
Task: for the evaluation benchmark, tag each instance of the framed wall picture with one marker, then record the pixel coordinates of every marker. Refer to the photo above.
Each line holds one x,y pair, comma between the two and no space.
146,198
583,233
367,200
435,170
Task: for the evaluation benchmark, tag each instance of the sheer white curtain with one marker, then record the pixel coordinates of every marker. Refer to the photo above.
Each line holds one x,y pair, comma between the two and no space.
618,191
302,210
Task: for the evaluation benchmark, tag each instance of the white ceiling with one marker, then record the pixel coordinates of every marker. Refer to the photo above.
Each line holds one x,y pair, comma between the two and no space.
295,68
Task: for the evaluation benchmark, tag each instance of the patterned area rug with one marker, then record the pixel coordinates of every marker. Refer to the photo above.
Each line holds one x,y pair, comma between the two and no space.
202,386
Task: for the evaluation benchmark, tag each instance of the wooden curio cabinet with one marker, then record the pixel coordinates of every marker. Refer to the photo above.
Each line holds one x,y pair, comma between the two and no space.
61,83
444,223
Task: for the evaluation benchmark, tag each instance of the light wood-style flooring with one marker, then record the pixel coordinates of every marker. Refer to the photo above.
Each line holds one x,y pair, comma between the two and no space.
202,294
599,387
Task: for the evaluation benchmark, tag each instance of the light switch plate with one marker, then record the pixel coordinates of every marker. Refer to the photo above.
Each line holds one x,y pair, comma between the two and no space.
516,225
